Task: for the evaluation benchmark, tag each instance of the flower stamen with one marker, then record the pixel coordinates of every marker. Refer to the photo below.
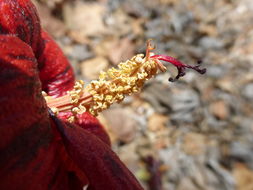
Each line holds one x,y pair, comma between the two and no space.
113,85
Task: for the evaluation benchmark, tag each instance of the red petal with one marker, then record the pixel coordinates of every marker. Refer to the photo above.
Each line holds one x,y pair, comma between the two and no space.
89,123
92,124
29,152
56,73
100,164
19,17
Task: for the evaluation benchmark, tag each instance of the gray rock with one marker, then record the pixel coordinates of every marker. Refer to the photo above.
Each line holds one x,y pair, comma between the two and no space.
158,95
183,105
183,117
80,52
244,127
211,43
157,28
216,71
65,40
180,20
185,100
247,91
226,180
242,152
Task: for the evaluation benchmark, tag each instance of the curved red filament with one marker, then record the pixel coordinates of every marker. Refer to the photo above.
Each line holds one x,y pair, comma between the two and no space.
179,65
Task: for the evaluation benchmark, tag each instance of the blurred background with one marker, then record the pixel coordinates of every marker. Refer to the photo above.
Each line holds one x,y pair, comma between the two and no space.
194,134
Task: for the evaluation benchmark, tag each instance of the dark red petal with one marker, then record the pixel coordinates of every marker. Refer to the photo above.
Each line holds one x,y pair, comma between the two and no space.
19,17
89,123
56,74
92,124
100,164
29,151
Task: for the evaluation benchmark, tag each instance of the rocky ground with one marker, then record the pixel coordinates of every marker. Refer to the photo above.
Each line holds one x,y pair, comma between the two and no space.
194,134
